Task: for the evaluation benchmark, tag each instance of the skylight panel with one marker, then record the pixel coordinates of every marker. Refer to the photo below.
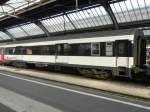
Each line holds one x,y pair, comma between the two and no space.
1,39
32,29
146,32
78,19
90,17
4,35
131,10
56,24
12,6
17,32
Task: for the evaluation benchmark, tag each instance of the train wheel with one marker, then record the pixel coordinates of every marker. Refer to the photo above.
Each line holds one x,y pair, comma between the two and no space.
86,72
19,64
99,74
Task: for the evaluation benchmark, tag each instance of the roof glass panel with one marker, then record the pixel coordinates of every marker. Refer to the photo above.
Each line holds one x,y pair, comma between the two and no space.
1,39
32,29
17,32
146,32
56,24
12,6
79,19
90,17
4,36
131,10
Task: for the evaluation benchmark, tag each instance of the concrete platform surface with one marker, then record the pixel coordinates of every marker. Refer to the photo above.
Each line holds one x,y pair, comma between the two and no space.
130,89
4,108
20,103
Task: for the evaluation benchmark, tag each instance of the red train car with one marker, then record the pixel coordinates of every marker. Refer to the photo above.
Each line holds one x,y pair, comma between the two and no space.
1,55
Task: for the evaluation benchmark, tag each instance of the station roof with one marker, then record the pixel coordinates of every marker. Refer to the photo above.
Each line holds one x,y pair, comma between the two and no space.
9,7
25,19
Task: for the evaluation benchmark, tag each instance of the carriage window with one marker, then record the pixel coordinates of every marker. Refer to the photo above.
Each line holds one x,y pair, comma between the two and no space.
24,51
44,50
11,50
109,48
66,49
95,47
36,50
18,50
74,49
63,49
80,49
7,51
124,48
60,49
52,49
85,49
29,51
121,48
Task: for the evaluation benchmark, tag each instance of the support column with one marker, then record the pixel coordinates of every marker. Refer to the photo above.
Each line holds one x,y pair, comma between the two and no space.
111,14
70,21
9,34
39,24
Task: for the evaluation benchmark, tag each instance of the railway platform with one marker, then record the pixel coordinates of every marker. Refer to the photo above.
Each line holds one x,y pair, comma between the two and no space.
5,109
120,87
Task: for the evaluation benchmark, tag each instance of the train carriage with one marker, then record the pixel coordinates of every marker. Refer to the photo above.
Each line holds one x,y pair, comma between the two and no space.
119,53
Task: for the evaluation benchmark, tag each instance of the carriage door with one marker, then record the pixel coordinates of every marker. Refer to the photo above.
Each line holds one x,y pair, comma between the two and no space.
122,57
61,53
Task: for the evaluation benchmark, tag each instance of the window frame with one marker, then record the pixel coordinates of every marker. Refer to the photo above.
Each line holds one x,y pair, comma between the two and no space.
106,50
92,54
